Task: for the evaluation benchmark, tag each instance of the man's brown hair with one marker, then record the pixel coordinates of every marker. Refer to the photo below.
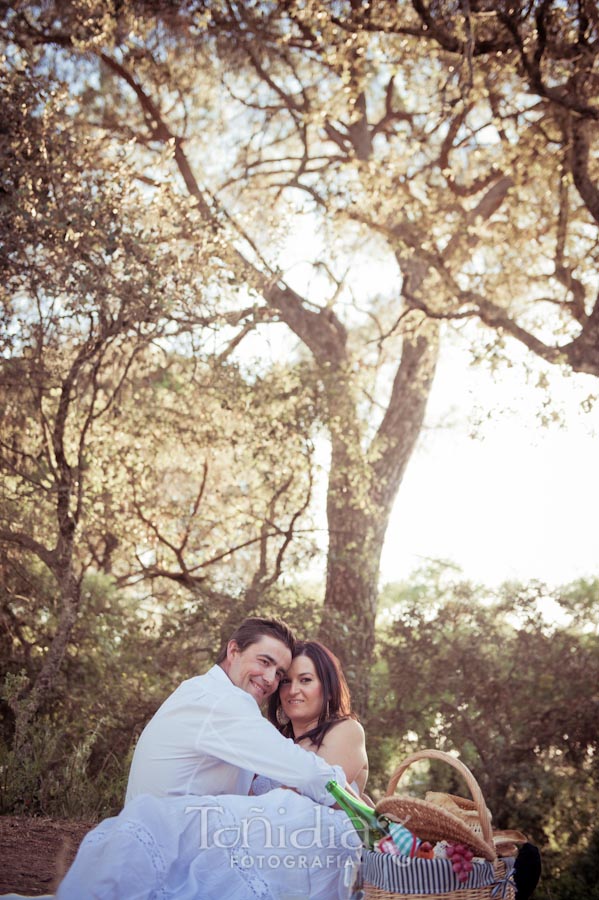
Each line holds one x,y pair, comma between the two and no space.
255,627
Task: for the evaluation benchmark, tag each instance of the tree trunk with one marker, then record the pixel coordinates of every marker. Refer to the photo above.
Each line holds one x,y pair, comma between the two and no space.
347,627
363,485
26,708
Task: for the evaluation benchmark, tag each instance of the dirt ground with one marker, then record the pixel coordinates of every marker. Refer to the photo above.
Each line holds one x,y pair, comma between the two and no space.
35,853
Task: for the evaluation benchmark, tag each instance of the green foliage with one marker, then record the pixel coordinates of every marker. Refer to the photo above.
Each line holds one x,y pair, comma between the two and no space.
579,875
488,674
69,763
74,755
51,776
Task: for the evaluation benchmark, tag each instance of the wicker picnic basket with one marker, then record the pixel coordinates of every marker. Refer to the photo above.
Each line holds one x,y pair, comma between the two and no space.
388,877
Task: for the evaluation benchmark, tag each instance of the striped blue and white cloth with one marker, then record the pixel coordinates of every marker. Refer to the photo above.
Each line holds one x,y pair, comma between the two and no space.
400,875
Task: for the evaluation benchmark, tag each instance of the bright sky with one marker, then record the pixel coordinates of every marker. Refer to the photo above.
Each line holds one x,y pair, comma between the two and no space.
519,500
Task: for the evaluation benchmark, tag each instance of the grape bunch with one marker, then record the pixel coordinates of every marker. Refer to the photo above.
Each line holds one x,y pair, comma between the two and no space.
461,860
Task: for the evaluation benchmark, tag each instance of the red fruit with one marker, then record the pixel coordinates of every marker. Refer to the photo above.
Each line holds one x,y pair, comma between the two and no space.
460,848
468,854
457,867
449,851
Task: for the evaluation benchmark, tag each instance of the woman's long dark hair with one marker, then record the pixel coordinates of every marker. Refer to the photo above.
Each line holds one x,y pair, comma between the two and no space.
336,701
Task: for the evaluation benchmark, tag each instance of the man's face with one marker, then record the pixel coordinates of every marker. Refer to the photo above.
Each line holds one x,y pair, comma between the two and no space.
259,668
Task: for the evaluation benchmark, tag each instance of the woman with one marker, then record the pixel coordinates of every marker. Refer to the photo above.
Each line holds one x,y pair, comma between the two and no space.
269,847
313,706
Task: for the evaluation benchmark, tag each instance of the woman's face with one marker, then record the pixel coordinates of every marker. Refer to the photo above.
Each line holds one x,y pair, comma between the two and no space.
301,692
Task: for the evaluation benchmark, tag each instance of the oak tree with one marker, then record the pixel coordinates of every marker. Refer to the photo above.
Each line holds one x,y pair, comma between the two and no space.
442,158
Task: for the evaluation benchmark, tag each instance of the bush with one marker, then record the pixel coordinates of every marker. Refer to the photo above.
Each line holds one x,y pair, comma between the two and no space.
50,776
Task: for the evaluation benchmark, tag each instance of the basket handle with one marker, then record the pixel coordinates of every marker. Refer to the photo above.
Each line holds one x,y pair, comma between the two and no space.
477,794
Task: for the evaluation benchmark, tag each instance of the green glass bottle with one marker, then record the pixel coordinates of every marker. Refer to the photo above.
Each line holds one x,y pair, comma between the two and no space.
370,827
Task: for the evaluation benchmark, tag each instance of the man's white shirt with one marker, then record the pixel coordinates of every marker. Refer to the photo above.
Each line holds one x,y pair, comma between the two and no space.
209,737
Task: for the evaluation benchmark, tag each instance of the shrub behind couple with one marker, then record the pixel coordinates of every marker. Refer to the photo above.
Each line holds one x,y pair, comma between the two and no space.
191,828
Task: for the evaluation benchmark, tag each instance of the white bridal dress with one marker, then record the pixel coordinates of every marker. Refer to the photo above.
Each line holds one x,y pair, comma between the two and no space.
276,846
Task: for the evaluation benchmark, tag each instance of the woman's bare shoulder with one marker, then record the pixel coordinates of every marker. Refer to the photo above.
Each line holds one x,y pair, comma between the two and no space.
348,727
346,730
345,745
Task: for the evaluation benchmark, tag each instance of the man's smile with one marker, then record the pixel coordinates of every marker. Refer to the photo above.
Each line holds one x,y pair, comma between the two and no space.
263,691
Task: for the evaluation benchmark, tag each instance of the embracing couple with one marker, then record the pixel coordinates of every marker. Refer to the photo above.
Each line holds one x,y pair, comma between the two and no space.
224,802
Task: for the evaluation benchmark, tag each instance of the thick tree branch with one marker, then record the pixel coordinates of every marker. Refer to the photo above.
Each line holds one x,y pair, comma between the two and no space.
581,138
24,540
563,272
404,417
558,94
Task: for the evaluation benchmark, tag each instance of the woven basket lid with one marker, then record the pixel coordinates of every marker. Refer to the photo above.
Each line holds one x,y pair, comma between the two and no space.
464,809
454,803
432,823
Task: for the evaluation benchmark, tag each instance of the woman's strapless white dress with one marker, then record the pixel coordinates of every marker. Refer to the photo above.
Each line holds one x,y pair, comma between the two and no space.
276,846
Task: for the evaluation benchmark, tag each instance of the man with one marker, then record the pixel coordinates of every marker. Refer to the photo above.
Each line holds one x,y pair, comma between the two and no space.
209,736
